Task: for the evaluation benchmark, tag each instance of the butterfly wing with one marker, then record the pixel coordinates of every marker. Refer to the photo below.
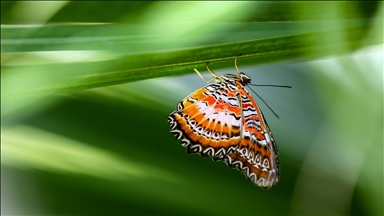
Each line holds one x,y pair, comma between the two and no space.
223,121
257,154
207,121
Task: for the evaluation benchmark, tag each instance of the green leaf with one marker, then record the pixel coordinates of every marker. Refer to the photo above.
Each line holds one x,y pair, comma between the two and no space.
40,79
54,58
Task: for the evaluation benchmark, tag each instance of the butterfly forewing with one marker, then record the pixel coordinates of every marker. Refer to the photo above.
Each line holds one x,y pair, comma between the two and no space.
256,155
223,121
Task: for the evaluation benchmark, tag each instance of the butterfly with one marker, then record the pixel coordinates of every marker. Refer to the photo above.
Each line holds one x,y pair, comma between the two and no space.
224,122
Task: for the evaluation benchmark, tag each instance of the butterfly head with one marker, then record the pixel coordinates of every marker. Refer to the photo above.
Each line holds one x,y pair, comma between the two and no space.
244,79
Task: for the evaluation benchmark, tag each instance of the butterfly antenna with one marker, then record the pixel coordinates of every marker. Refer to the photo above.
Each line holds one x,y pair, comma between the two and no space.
265,103
271,85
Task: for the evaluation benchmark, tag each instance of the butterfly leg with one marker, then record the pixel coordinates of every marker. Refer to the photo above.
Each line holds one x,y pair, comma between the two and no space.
238,71
215,76
213,73
201,76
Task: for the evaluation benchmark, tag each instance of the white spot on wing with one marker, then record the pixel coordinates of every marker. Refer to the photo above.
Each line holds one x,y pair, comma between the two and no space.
249,113
233,102
267,138
221,116
234,121
212,116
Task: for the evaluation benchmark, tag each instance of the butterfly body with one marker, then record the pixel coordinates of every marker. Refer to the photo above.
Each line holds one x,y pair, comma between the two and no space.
223,121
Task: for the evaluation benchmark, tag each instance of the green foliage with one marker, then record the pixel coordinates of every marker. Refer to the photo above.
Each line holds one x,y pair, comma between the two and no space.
75,142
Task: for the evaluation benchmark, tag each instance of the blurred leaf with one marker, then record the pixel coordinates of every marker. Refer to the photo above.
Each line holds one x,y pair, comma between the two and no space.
59,154
53,58
41,79
109,150
119,11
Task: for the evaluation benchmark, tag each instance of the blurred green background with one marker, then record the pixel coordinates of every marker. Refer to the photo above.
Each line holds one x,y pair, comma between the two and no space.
76,143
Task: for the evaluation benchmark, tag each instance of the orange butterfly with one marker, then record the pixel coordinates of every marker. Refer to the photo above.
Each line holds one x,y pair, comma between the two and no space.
223,121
